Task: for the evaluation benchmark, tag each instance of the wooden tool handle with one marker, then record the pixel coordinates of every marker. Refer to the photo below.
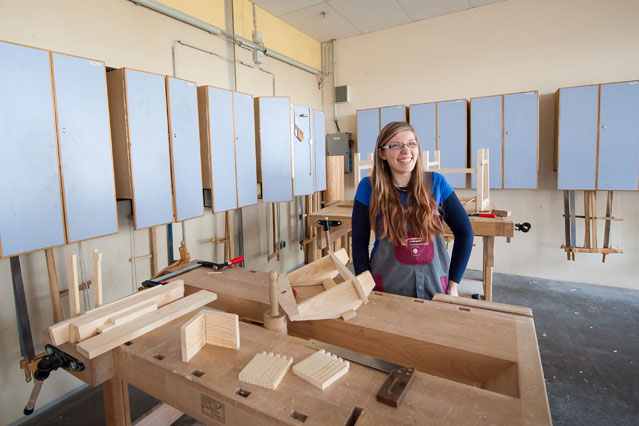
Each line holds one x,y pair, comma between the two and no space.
272,277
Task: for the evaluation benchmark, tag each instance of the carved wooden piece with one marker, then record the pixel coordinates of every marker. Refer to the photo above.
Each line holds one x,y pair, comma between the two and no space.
266,370
321,369
209,327
336,301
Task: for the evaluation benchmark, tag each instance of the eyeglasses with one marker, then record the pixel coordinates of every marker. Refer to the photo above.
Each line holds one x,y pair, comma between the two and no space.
396,146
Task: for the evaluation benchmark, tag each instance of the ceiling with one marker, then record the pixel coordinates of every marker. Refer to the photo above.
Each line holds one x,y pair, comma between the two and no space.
325,20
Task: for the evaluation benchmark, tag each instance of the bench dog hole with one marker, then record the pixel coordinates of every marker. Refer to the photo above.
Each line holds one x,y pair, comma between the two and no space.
129,343
242,392
299,416
357,411
159,357
197,373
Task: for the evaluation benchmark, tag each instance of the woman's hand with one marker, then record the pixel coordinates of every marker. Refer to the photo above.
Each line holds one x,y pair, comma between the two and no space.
452,288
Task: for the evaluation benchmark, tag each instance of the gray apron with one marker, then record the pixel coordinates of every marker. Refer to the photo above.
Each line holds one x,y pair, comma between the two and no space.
416,269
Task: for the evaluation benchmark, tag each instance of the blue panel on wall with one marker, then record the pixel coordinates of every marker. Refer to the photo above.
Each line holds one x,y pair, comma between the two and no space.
148,139
391,113
302,151
451,139
31,207
185,146
423,118
319,142
85,147
246,164
520,140
222,153
275,148
367,131
486,132
619,137
577,161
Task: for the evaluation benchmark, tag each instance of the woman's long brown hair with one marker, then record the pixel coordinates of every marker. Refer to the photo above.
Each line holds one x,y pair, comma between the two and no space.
387,216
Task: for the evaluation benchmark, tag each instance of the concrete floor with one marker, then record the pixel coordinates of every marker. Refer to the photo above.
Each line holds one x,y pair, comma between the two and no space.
588,339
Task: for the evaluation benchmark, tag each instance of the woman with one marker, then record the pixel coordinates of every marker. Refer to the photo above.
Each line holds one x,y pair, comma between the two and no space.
406,205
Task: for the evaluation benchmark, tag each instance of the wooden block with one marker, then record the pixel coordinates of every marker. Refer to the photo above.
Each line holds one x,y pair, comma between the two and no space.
334,179
222,329
128,315
334,302
193,336
266,370
316,272
105,342
74,290
321,369
97,278
85,326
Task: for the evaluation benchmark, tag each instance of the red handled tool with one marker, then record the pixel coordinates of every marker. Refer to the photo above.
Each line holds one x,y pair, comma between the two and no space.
214,266
490,215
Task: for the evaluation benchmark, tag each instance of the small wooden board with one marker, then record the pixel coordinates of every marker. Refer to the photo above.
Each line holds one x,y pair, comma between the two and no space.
266,370
321,369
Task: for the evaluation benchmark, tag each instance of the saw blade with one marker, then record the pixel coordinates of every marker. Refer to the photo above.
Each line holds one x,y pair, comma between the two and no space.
356,357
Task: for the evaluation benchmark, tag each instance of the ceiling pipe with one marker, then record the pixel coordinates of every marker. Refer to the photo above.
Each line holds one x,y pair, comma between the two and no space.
240,41
334,84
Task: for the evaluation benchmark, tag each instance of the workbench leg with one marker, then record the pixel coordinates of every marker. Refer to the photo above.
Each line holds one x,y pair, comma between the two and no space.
489,262
116,402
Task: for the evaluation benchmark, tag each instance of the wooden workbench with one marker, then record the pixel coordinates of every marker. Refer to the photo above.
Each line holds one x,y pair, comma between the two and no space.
487,228
477,362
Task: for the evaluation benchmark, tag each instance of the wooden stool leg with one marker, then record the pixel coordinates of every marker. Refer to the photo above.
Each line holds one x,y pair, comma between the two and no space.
489,262
116,402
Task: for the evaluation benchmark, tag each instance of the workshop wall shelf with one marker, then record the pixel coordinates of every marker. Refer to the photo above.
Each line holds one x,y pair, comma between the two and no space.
137,104
598,137
184,143
227,147
273,146
303,152
56,148
508,125
319,181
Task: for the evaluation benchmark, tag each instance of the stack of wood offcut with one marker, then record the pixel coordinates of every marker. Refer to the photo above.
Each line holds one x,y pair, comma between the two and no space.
106,327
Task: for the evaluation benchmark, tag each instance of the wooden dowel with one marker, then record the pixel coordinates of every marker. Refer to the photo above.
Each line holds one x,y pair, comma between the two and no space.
154,251
74,291
53,286
97,278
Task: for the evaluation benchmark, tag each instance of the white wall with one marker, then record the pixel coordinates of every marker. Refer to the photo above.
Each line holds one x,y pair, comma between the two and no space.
510,46
122,34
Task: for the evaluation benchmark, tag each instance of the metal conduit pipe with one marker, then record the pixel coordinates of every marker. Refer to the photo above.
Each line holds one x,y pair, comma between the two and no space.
334,84
240,41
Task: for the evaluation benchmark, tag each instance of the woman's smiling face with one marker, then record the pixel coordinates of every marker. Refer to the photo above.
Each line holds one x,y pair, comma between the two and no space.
401,160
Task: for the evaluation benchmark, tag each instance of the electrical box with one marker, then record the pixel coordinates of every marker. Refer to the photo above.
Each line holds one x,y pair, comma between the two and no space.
338,144
342,94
